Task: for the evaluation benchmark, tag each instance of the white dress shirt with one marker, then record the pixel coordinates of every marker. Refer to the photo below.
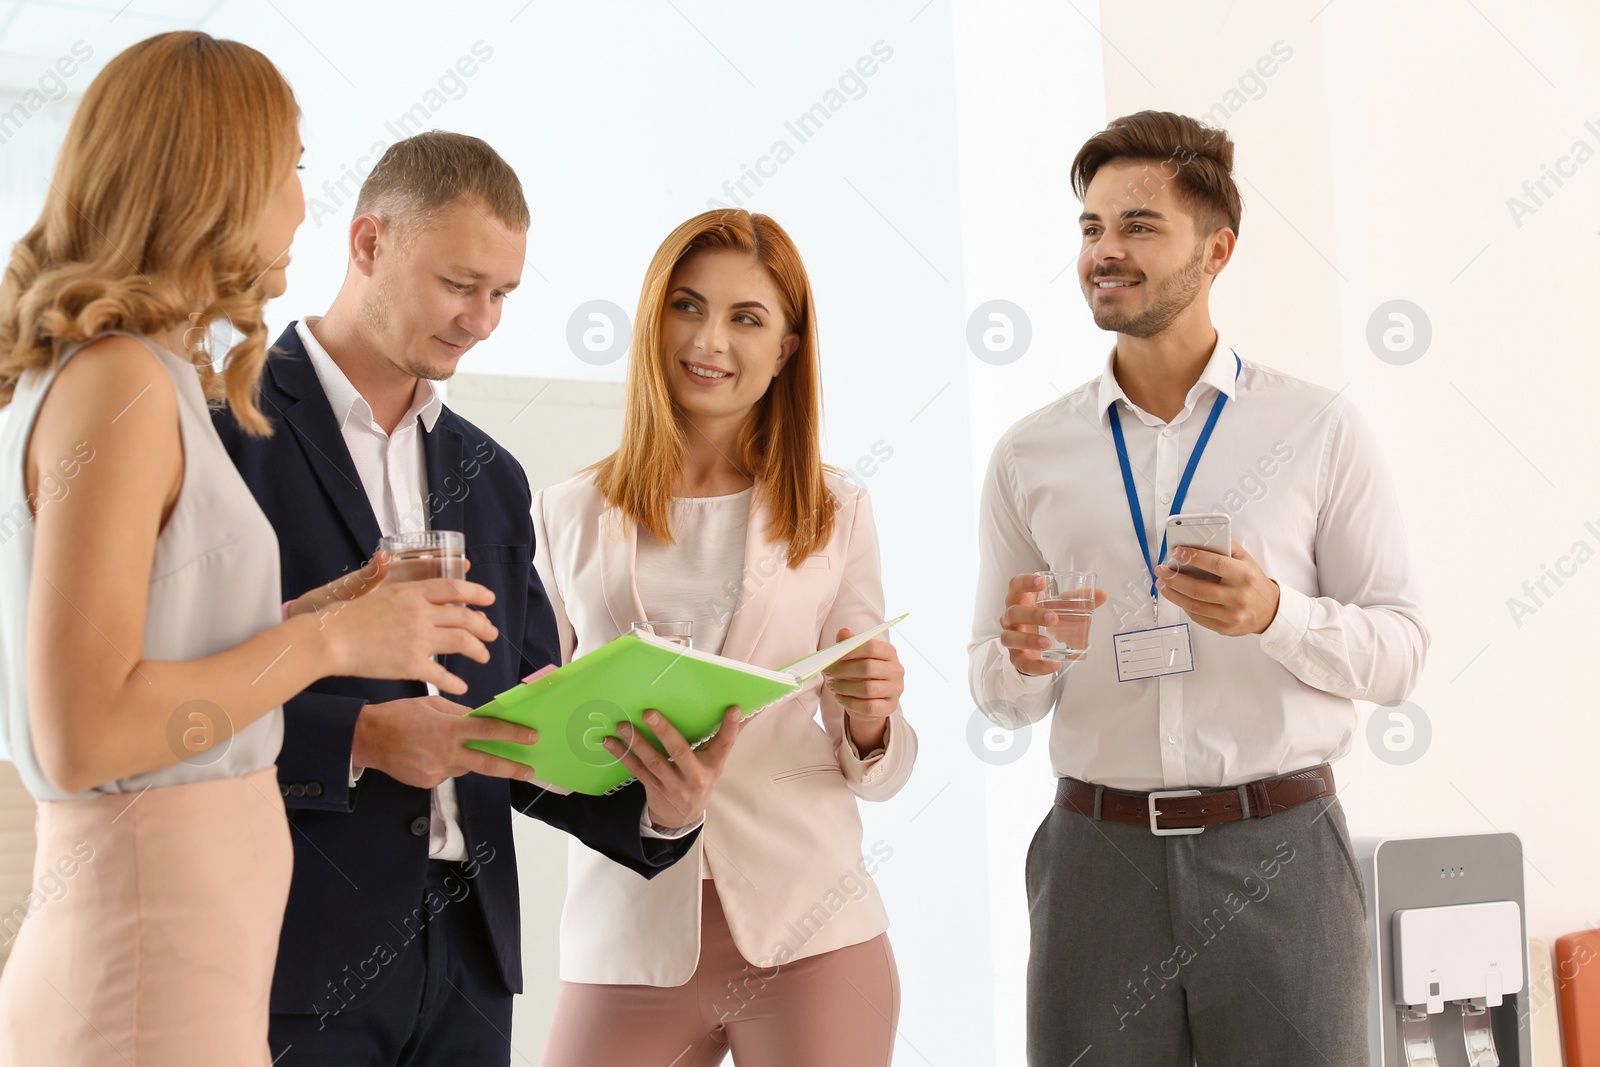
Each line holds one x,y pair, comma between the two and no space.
1301,476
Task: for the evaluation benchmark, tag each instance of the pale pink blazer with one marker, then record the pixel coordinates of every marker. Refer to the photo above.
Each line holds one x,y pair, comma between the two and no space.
782,835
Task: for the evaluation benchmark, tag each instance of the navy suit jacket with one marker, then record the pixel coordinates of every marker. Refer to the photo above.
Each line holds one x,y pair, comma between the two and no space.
361,854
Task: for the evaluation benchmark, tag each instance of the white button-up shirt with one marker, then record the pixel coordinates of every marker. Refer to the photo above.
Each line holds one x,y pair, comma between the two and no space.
1301,476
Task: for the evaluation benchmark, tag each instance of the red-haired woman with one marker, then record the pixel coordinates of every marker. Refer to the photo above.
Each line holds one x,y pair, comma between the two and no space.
717,510
144,654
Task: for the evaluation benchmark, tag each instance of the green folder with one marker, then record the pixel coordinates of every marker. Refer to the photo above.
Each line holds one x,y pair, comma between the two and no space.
578,706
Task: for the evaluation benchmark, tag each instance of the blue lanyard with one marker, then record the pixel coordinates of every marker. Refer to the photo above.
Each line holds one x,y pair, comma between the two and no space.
1183,483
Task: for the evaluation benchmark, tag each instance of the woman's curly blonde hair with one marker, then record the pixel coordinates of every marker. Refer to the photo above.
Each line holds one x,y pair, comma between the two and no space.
173,156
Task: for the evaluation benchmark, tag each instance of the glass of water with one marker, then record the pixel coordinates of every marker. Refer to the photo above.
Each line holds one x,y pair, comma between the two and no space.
424,554
1070,594
679,633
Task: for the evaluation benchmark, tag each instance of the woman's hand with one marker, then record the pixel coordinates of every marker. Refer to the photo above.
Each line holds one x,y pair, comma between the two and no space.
868,684
395,630
677,785
347,587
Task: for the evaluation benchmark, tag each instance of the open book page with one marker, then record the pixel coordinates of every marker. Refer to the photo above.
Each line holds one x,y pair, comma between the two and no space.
805,669
780,675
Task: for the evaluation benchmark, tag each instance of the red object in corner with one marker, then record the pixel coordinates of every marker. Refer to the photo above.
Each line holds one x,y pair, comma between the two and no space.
1578,989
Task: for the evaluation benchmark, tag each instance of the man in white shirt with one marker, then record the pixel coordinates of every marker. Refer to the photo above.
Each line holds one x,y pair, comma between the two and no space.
1225,923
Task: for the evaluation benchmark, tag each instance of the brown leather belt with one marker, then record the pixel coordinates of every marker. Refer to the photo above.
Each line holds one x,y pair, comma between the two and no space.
1189,811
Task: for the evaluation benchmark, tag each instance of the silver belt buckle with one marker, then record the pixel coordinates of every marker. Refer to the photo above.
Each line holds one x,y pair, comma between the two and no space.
1171,831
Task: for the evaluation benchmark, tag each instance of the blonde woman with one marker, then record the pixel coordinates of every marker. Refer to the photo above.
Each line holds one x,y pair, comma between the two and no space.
716,510
144,654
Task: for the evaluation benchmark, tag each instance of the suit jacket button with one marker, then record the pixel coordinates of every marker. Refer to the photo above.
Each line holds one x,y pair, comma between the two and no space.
313,789
419,825
283,789
297,790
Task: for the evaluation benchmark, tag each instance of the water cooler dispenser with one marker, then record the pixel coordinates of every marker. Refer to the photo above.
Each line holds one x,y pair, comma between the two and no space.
1448,986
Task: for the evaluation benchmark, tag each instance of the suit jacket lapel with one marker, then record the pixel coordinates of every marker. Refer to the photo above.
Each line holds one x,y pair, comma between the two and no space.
443,501
305,408
764,569
442,450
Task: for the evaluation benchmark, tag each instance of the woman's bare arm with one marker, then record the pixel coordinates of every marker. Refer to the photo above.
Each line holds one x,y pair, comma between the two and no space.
97,708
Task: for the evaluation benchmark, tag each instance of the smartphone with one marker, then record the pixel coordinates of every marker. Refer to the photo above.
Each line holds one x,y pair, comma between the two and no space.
1208,530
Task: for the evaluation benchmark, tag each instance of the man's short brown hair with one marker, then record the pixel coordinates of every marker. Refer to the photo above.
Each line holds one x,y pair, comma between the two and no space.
1196,158
419,177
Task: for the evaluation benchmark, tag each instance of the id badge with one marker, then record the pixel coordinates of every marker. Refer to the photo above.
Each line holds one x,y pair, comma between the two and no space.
1154,653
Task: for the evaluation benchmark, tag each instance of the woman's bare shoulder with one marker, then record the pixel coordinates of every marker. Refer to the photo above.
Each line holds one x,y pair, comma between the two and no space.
112,380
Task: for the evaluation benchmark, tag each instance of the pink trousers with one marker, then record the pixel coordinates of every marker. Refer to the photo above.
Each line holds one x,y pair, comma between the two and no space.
836,1009
152,929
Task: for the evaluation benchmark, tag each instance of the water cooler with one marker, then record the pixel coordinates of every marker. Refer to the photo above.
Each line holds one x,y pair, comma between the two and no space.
1448,986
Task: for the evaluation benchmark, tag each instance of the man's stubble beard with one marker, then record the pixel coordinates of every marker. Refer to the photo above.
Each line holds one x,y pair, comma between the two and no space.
376,313
1171,300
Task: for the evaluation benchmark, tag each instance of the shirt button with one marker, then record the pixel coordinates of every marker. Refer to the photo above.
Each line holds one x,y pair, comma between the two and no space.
419,825
1166,498
1167,432
1171,740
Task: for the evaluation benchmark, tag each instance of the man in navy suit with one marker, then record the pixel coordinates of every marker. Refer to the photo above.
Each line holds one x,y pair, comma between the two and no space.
401,940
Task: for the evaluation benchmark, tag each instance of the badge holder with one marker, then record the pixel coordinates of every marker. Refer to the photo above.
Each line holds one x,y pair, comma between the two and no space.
1154,652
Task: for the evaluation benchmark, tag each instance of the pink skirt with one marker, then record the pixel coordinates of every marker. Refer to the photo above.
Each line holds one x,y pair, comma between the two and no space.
152,929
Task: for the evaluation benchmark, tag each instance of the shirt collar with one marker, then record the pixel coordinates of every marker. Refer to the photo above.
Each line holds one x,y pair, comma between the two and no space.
347,402
1220,374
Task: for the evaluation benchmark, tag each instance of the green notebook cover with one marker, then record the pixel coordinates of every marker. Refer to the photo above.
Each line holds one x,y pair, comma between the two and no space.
577,706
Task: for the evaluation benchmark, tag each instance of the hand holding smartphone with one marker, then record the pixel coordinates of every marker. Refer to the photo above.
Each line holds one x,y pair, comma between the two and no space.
1212,531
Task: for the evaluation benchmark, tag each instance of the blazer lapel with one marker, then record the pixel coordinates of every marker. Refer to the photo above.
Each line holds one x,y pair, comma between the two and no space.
306,409
618,538
442,450
764,569
443,501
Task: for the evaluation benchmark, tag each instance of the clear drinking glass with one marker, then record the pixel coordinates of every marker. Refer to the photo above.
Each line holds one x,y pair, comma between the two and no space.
1070,594
679,633
426,554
